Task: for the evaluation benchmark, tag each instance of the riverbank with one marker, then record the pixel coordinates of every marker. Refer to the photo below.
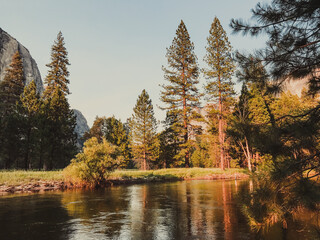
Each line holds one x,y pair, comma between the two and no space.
40,181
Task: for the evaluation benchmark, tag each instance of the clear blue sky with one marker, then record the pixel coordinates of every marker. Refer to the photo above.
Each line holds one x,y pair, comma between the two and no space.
117,47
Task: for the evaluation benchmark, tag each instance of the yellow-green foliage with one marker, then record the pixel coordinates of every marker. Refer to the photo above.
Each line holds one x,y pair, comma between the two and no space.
92,166
15,178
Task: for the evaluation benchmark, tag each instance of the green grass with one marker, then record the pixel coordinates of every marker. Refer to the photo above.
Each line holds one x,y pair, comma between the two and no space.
171,173
19,177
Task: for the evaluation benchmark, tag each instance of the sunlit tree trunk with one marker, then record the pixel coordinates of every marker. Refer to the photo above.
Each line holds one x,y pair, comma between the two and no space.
221,142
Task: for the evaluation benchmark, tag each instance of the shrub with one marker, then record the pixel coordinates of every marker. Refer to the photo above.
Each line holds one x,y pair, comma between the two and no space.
92,166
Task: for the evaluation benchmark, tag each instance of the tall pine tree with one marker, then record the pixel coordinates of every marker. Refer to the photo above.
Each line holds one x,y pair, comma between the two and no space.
143,137
58,67
60,120
181,94
220,69
10,123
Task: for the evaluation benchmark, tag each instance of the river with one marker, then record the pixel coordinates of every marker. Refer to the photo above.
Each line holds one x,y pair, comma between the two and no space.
198,209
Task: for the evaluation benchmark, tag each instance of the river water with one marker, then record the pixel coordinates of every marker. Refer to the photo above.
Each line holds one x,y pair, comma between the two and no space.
198,209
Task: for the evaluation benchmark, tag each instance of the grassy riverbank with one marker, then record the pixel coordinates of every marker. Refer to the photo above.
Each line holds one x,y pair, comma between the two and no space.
179,173
21,181
18,177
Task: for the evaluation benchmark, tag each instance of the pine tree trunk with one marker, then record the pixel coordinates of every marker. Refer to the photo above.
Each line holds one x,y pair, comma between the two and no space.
185,125
144,143
27,164
40,154
221,142
144,160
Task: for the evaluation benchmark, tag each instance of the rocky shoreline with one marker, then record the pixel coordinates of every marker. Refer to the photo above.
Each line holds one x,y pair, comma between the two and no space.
40,186
44,186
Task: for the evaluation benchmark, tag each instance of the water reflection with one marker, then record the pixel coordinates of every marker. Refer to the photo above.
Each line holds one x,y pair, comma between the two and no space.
180,210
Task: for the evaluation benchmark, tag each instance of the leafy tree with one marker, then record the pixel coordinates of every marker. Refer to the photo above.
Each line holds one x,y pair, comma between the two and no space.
221,67
58,72
114,131
92,166
143,125
181,94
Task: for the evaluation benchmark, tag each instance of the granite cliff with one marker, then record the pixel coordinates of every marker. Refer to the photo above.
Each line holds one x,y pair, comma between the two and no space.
81,127
8,46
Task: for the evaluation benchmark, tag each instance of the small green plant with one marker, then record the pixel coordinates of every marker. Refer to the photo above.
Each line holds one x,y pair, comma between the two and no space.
93,165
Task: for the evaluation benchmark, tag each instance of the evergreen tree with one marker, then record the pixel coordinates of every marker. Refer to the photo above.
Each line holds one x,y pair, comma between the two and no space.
200,156
219,87
31,104
97,129
58,72
292,51
116,134
143,125
181,94
10,90
59,121
60,135
12,85
170,142
114,131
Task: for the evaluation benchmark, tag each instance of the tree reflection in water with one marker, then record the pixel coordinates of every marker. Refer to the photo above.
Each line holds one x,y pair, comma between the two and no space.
181,210
178,210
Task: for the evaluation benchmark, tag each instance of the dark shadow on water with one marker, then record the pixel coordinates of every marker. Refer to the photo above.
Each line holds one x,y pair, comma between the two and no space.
33,217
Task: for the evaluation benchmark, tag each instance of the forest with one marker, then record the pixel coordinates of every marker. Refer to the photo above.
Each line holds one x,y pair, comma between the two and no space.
266,129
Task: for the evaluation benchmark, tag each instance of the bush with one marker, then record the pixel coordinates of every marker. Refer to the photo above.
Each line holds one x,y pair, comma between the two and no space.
92,166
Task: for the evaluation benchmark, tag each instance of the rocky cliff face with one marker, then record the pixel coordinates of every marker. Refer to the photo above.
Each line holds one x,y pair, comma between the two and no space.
8,46
81,127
